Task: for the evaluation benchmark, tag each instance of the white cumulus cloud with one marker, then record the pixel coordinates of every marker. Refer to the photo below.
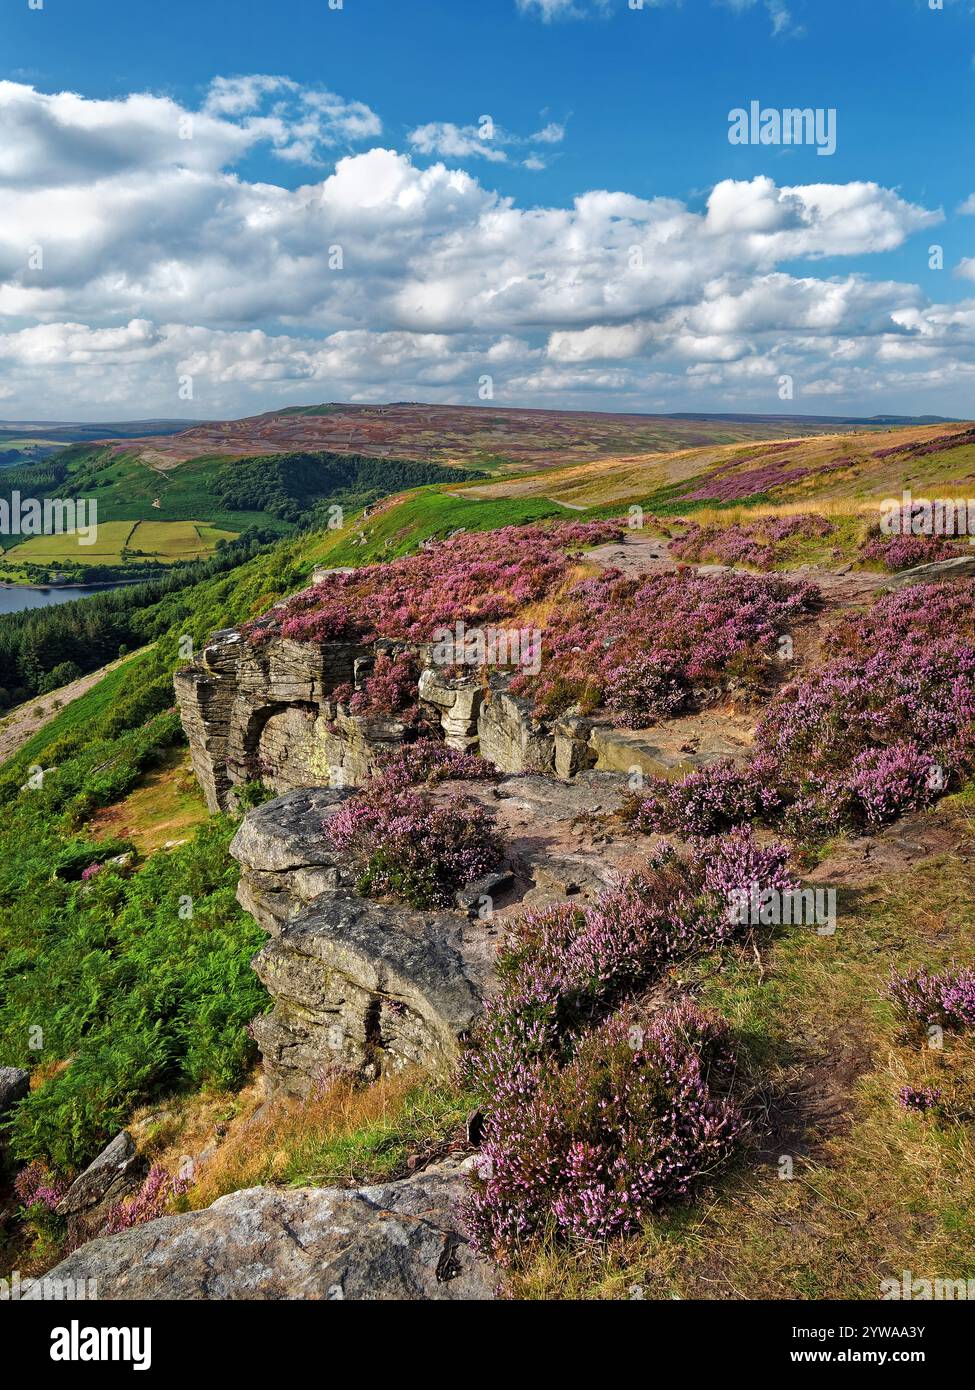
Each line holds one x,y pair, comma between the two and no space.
134,251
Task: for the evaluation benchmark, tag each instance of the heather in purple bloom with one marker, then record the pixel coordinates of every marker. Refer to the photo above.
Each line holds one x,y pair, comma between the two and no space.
708,800
879,728
148,1203
471,578
760,544
945,998
903,552
734,480
644,647
594,1120
390,689
883,783
430,761
407,846
35,1186
921,448
91,871
635,1119
922,1098
735,862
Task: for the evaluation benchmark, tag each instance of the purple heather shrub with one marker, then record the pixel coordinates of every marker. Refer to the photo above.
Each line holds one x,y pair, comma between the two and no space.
148,1203
667,911
803,525
724,545
91,871
736,863
887,720
757,545
709,800
641,647
734,480
946,998
390,689
635,1118
882,784
922,1098
921,448
895,553
594,1120
35,1186
477,579
430,761
407,846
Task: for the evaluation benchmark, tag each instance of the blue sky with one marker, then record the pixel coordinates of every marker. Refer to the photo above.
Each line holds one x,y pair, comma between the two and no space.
466,258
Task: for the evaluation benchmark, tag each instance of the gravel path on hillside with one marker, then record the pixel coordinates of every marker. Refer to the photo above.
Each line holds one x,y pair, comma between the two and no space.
24,721
638,555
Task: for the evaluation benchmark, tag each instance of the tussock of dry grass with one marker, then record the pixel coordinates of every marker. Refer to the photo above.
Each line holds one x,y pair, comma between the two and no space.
348,1133
540,614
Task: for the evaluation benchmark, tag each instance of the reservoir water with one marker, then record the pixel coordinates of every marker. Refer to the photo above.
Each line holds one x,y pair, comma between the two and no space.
16,599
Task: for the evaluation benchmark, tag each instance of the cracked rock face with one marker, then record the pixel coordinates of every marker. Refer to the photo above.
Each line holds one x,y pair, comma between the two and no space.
360,984
402,1240
114,1174
285,857
378,987
261,709
369,986
267,712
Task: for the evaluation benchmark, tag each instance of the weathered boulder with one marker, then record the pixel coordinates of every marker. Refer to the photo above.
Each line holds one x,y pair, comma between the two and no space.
369,986
14,1085
377,987
960,567
510,737
115,1173
400,1241
285,856
358,984
457,701
572,745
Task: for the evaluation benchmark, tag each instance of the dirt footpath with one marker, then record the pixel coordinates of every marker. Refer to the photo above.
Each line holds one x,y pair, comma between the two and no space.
25,720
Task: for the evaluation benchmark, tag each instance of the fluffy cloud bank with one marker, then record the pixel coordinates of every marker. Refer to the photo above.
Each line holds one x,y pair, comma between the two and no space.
133,254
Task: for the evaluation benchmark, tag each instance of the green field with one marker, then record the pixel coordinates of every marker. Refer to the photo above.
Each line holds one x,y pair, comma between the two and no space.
127,489
119,541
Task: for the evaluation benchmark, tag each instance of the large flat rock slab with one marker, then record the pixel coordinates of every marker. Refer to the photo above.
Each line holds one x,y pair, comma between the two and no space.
562,845
673,748
399,1241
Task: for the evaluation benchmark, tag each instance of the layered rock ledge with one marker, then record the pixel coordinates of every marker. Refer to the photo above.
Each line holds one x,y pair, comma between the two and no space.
268,712
378,987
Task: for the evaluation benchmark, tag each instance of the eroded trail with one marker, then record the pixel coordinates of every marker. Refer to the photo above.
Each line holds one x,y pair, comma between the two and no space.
643,555
23,722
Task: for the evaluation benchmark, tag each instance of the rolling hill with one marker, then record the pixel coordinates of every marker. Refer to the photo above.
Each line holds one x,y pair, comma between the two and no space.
170,497
474,436
30,441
